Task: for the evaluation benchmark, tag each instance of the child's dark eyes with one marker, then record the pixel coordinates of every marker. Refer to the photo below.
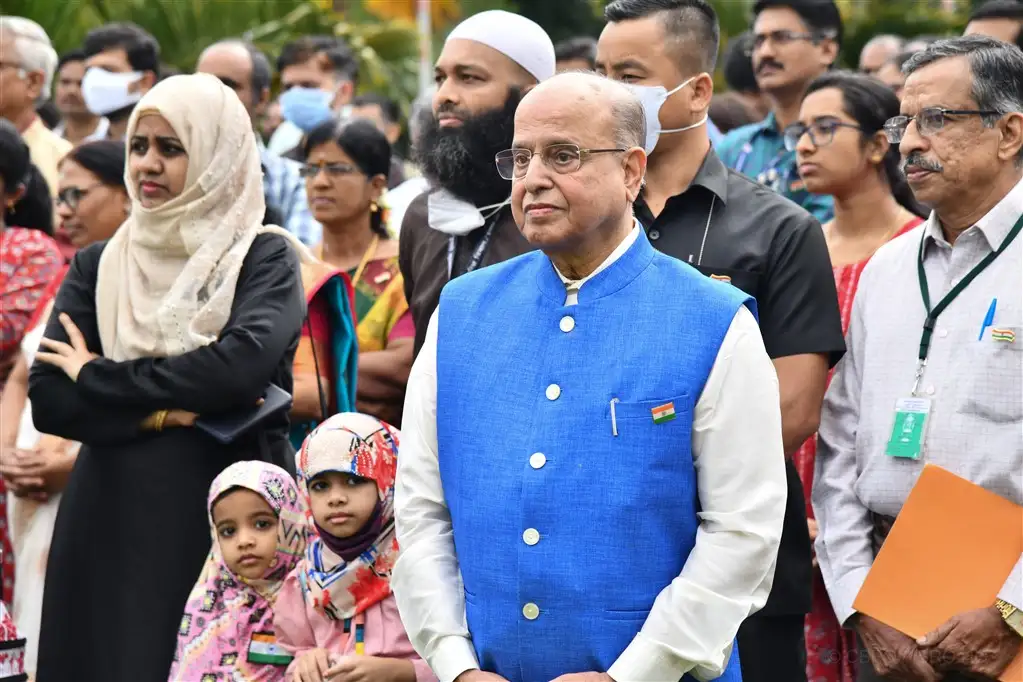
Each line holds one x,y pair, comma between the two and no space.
226,531
264,524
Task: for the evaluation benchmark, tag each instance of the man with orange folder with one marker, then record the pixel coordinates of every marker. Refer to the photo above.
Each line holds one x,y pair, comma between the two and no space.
934,369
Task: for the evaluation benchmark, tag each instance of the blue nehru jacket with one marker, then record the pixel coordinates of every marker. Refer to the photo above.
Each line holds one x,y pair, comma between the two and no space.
565,532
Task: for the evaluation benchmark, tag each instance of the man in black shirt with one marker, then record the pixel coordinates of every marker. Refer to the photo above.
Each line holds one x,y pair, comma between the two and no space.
732,229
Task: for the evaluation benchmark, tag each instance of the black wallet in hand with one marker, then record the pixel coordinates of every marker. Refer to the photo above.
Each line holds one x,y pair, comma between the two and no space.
228,426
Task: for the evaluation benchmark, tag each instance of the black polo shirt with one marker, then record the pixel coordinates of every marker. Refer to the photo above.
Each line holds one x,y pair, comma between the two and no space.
732,228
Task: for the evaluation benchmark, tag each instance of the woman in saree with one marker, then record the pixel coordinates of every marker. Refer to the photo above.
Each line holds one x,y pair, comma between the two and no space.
346,166
192,308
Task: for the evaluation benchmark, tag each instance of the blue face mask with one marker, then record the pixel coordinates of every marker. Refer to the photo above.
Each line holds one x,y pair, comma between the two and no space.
306,107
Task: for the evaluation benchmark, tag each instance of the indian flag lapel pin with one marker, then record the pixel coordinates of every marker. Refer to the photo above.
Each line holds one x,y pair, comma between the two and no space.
1003,335
663,413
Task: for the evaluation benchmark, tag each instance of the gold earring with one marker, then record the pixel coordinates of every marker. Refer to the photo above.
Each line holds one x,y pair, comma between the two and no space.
373,208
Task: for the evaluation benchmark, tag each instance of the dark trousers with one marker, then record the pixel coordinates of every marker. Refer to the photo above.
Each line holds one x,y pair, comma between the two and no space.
773,649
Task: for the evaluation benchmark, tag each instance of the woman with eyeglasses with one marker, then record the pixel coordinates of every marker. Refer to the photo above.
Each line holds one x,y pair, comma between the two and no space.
842,150
346,167
91,204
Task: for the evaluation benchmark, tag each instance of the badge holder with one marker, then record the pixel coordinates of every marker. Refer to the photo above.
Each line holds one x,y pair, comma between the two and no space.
910,424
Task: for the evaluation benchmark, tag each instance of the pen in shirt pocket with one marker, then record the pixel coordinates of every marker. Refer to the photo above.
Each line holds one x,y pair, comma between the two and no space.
989,319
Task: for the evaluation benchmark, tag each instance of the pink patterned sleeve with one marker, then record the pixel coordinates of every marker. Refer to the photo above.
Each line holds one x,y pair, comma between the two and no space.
31,262
292,627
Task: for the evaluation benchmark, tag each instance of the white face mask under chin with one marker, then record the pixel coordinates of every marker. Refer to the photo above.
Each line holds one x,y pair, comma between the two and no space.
105,92
653,98
457,217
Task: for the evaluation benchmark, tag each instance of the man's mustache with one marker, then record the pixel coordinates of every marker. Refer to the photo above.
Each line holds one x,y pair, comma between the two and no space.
915,160
769,63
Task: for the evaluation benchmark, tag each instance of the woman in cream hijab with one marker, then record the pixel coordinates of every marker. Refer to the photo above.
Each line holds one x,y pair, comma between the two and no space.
192,308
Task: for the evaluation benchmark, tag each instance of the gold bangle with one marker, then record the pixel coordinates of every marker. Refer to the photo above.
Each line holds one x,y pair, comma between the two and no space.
161,417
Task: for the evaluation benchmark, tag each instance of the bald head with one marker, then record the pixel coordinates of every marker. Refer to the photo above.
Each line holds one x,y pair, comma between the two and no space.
241,67
878,51
590,95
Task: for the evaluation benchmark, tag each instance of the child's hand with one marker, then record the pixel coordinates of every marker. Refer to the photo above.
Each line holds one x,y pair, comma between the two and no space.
372,669
311,666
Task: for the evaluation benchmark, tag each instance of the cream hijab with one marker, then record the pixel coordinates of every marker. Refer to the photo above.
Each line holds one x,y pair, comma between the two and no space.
167,278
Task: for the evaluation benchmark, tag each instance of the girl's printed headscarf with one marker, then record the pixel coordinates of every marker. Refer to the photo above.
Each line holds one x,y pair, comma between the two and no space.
364,446
224,610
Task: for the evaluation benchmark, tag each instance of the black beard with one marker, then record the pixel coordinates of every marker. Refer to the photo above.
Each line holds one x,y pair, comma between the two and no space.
461,160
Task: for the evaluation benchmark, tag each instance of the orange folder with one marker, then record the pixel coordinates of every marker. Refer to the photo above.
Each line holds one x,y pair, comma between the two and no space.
950,550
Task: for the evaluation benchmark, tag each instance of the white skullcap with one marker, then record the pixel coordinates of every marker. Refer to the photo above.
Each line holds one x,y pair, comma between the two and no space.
516,37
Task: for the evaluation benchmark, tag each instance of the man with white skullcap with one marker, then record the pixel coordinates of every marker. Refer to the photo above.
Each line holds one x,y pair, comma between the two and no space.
488,63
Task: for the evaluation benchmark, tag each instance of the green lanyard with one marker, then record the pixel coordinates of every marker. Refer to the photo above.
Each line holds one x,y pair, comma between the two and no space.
932,313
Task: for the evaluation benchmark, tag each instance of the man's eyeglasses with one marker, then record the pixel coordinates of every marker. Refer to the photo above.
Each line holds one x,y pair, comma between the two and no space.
822,133
928,121
333,170
781,39
560,158
71,196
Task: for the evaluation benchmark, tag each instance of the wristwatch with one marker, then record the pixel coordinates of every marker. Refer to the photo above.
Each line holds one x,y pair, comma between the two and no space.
1012,616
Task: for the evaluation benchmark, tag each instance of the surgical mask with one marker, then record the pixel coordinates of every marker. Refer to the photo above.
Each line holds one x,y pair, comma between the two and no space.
306,107
652,97
105,91
457,217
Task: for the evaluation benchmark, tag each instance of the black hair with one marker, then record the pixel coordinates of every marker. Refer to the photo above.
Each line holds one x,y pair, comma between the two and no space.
821,17
693,24
141,47
103,158
583,48
729,111
738,67
364,144
388,107
262,76
35,208
70,57
49,114
341,58
1002,9
899,60
871,103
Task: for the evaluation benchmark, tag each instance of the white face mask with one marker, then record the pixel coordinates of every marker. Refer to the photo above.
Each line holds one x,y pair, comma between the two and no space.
457,217
105,92
653,97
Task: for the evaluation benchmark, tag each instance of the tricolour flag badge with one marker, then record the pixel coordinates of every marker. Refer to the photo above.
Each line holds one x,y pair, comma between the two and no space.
663,413
721,278
263,648
1005,335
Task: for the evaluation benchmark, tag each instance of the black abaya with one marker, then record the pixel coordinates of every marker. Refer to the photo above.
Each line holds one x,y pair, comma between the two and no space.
131,534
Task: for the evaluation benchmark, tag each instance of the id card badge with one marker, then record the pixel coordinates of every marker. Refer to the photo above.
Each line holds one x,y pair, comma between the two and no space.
263,648
909,427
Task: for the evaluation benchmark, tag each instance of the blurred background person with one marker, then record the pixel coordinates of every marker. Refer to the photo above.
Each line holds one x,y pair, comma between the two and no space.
77,123
319,75
737,69
92,203
891,73
999,19
122,63
346,175
730,111
575,54
27,65
399,198
794,41
878,51
246,70
272,118
842,151
385,114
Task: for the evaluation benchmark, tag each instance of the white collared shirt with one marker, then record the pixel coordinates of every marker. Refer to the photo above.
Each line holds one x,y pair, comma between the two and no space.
739,459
